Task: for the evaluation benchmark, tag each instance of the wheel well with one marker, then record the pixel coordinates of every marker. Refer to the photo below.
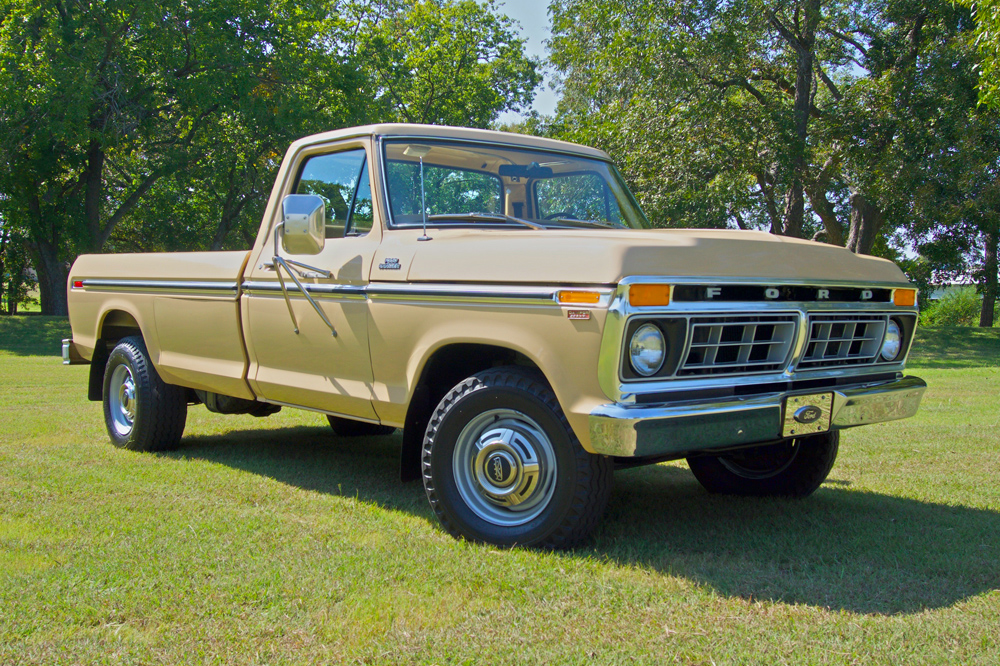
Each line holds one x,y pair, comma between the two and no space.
117,324
446,368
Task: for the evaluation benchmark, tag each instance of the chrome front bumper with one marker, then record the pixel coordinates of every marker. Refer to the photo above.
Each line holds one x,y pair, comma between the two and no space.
685,427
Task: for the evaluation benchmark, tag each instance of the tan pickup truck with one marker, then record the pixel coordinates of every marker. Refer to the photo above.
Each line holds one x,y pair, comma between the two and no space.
502,300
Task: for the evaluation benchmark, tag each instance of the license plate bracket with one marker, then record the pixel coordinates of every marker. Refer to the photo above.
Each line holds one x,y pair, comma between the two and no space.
807,414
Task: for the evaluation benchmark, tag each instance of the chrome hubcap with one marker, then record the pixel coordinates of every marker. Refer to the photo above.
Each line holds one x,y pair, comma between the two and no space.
122,397
505,467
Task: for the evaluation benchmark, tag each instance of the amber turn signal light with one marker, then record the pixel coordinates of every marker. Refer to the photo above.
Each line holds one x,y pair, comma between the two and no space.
642,295
904,297
579,297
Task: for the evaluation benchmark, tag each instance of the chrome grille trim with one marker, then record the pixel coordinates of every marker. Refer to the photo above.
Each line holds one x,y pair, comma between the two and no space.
738,344
842,339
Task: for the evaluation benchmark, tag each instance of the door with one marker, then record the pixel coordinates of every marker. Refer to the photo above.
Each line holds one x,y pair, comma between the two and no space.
318,368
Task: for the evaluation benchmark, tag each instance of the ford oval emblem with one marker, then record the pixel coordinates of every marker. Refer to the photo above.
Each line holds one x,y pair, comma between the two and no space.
808,414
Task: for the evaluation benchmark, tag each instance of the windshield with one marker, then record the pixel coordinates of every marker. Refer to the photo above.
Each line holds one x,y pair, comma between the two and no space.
469,184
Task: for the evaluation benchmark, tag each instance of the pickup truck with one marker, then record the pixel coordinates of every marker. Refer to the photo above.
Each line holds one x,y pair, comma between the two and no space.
504,301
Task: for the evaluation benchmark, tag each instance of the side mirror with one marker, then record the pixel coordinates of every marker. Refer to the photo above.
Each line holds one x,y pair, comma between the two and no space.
304,218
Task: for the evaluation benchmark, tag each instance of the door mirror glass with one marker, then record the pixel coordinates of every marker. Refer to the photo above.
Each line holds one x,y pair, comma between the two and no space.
304,218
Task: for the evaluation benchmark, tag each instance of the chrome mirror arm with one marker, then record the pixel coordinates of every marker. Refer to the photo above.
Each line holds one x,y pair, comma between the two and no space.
316,272
279,262
276,265
289,262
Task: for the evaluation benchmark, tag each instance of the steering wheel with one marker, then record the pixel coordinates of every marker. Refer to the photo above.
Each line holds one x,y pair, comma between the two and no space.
563,214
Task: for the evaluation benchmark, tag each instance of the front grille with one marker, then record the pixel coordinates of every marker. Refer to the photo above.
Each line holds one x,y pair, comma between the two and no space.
738,344
843,339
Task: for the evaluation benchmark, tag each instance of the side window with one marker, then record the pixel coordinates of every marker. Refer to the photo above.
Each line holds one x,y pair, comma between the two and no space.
580,196
341,180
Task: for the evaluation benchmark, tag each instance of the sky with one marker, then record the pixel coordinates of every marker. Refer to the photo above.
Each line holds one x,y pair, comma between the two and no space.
533,15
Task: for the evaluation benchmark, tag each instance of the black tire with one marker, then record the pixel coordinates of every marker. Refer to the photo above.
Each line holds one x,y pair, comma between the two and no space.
561,491
352,428
790,468
141,412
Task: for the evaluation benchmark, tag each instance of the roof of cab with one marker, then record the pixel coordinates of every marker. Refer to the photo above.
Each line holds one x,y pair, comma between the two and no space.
445,132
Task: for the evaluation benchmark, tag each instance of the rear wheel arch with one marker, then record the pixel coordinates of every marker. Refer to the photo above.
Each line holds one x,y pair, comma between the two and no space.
443,369
114,326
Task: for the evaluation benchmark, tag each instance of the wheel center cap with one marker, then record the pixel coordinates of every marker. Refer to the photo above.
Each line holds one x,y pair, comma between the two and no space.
500,469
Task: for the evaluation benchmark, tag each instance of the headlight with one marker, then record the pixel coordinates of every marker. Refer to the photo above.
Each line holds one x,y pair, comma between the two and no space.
647,350
893,342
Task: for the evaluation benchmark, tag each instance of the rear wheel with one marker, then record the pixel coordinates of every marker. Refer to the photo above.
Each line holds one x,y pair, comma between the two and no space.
789,468
350,428
141,412
501,465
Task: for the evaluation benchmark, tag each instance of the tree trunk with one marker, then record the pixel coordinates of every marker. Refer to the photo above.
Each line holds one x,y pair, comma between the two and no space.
3,284
94,193
804,44
992,238
794,205
52,276
866,222
822,206
231,209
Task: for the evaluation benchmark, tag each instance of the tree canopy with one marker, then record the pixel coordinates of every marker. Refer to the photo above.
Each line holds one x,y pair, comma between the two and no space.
987,14
134,125
141,126
850,122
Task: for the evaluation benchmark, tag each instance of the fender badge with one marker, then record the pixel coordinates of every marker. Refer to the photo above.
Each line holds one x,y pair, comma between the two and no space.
390,264
578,314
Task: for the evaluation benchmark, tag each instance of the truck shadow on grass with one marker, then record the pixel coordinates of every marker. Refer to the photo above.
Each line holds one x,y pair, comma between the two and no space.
841,549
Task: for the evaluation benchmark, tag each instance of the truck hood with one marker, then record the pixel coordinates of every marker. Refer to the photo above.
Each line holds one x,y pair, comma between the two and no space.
597,256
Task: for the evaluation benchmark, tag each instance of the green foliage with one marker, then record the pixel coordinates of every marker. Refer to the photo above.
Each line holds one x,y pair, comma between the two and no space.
960,307
987,15
699,103
102,100
15,283
445,62
141,126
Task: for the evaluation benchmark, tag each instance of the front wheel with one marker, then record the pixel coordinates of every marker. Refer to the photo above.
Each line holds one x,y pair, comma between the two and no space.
141,412
501,465
789,468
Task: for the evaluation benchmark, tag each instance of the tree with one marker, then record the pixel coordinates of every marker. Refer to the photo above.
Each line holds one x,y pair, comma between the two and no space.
216,201
133,125
15,283
99,101
736,102
852,122
945,147
448,62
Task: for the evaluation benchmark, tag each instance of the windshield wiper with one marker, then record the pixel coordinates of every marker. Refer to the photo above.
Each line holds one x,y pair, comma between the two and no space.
600,224
496,217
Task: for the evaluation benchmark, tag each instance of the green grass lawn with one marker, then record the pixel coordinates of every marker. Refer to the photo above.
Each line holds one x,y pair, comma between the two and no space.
271,541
